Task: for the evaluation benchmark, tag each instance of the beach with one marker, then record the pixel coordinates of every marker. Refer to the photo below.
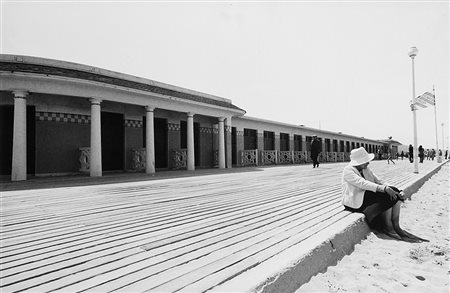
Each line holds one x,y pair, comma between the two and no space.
383,264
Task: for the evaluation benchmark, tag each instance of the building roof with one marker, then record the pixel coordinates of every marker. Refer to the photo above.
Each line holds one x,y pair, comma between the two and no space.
26,64
391,141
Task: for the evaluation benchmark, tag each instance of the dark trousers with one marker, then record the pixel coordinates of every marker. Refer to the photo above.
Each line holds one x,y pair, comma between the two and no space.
314,158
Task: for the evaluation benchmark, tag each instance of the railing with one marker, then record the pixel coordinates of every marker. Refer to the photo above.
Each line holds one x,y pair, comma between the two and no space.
340,157
138,159
331,157
285,157
179,159
300,157
346,157
269,157
255,157
84,157
216,158
249,157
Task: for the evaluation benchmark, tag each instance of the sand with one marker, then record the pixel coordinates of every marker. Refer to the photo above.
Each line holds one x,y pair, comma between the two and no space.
382,264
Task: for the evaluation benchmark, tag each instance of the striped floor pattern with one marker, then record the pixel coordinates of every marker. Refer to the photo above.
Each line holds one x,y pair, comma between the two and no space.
187,234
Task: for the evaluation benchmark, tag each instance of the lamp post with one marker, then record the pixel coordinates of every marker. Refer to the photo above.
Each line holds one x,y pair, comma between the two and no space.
412,54
443,143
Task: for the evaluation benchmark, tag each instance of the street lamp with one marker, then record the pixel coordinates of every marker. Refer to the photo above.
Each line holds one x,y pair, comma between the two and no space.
412,54
443,143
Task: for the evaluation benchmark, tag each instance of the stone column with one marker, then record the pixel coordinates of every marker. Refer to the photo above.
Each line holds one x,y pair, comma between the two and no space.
19,151
228,148
221,144
190,142
149,141
96,139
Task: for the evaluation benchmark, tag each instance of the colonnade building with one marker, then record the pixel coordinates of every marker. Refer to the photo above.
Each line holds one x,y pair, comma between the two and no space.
59,118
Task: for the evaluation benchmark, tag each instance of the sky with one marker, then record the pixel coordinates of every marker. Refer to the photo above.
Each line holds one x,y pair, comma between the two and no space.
331,65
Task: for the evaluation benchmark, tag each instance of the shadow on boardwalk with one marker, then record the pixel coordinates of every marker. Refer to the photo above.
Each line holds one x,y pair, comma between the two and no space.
36,182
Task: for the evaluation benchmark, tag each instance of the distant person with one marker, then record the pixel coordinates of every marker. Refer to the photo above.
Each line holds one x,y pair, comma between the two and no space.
380,154
427,154
402,154
389,159
421,153
411,154
433,154
440,153
446,154
363,192
316,149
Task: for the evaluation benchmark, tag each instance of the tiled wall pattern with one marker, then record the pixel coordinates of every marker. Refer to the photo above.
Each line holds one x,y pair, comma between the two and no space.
133,123
173,127
63,117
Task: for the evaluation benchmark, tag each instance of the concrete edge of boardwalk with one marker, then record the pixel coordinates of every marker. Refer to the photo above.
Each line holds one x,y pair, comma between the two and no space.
322,250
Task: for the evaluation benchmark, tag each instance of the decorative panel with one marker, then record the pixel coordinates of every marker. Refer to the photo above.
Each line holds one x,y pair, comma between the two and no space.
285,157
179,159
84,157
249,157
63,117
268,157
300,157
331,156
133,123
138,158
173,127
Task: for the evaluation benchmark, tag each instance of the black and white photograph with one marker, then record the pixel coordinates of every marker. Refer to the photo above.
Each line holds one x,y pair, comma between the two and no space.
224,146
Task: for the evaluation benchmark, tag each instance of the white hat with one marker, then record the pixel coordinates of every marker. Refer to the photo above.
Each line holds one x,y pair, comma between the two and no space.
360,156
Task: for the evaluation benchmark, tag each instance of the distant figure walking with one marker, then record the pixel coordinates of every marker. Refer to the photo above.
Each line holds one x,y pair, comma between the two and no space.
421,153
364,192
316,149
411,153
390,156
402,155
446,154
433,154
380,154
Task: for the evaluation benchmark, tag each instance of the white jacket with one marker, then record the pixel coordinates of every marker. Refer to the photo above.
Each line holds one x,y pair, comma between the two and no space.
354,185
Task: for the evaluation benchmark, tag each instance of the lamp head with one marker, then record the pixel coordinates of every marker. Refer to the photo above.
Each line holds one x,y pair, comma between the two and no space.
413,52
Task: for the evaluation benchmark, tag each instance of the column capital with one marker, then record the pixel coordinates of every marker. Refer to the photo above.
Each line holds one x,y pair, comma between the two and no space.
190,114
149,108
20,93
95,101
221,119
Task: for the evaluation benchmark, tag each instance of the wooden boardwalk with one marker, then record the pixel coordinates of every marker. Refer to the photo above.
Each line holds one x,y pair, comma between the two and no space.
189,234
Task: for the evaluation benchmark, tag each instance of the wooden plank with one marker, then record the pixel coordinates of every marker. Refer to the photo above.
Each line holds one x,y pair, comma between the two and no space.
180,233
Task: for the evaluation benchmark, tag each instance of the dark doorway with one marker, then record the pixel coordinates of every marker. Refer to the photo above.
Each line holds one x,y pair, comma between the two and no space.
183,138
284,142
6,141
298,143
233,146
269,140
250,139
160,127
112,141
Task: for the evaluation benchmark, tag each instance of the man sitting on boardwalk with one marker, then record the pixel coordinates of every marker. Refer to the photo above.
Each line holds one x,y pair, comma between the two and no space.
364,192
